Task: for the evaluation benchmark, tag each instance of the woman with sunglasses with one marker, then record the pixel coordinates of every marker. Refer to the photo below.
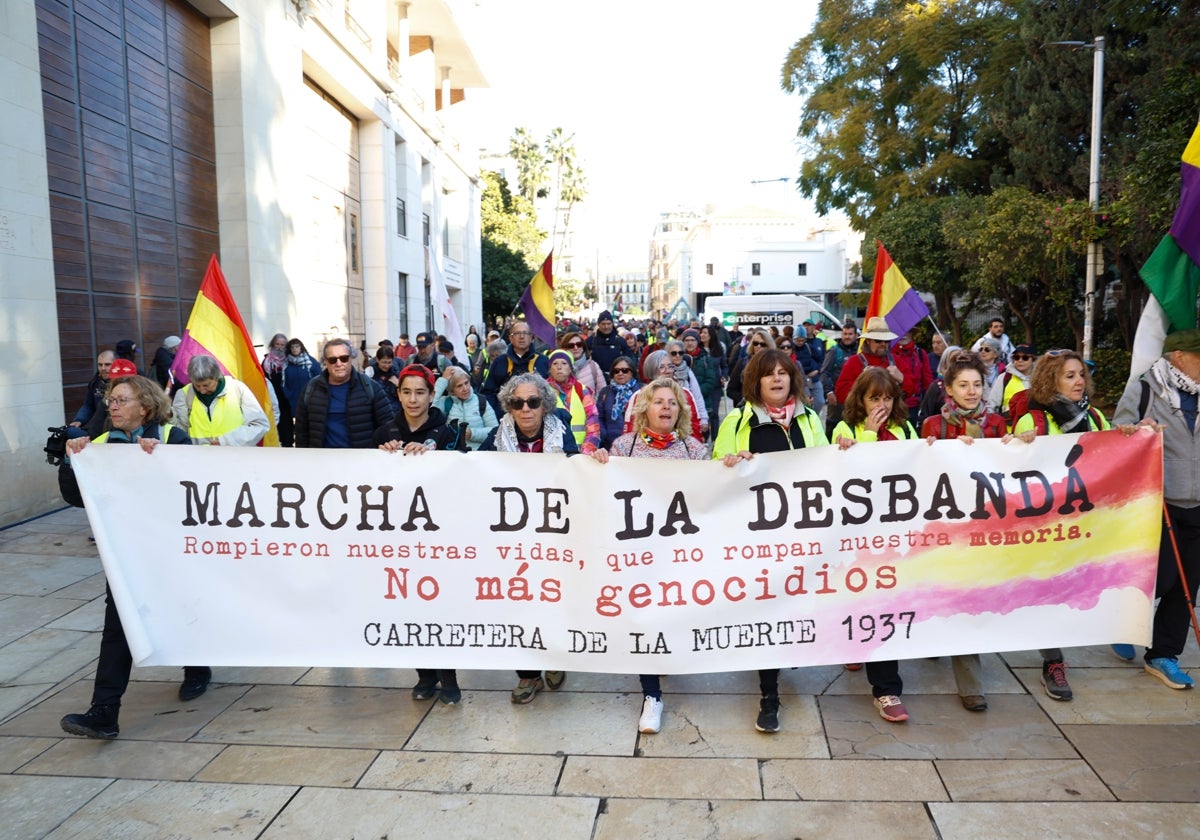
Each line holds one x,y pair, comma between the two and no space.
531,423
965,415
681,371
773,418
416,429
586,370
1014,381
757,338
577,400
656,365
989,353
614,400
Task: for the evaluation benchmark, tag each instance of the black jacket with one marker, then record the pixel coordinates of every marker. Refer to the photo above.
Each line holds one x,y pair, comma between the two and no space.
434,430
366,410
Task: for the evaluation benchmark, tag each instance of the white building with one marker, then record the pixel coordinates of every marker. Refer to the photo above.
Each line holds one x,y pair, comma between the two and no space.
753,250
632,288
310,144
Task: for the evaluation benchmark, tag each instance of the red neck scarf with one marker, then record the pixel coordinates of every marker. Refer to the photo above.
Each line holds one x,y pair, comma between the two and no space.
783,414
656,441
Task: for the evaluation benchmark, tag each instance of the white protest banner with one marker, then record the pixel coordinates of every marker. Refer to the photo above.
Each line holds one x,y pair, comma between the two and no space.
485,560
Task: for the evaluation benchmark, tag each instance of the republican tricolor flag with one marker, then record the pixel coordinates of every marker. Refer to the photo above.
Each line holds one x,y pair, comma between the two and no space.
215,328
892,297
537,302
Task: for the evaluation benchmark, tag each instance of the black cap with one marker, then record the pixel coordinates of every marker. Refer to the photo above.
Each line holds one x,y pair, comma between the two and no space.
425,338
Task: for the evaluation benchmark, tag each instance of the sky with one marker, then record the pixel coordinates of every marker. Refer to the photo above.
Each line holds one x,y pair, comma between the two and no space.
672,103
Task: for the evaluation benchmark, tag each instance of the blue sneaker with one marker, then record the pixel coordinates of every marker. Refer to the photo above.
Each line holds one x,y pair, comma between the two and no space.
1123,652
1169,672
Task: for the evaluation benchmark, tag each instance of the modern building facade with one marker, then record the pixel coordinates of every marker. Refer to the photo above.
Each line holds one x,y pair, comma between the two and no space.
310,144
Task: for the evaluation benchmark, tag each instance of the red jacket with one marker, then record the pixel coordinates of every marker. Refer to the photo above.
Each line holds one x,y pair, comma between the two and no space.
855,365
914,364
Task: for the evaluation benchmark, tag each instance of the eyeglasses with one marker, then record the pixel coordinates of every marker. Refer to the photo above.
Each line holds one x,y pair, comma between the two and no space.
575,345
758,344
618,371
1021,357
785,347
676,352
119,401
986,349
516,403
519,333
337,360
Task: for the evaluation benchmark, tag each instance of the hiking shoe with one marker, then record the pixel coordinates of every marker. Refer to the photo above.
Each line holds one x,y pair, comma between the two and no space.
99,722
1169,672
450,694
1054,679
651,720
974,702
1123,652
525,690
425,689
891,709
555,679
195,682
768,714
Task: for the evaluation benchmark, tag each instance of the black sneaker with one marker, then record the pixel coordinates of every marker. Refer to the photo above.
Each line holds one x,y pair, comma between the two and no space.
99,722
768,714
426,688
195,682
1054,679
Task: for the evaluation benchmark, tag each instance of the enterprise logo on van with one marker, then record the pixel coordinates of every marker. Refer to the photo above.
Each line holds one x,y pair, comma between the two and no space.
779,318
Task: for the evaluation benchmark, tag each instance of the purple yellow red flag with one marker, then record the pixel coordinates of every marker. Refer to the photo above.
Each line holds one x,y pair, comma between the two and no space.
537,302
893,298
215,328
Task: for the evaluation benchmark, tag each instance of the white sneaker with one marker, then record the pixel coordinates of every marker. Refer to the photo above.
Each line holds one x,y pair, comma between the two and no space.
651,720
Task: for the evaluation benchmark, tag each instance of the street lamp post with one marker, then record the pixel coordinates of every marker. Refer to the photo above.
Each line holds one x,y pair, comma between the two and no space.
1095,256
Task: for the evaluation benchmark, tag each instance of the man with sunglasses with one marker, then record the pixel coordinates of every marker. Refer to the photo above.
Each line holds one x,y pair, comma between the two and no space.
1014,381
341,408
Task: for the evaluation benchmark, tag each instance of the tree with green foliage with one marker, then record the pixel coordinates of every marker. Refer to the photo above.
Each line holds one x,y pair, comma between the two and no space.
509,250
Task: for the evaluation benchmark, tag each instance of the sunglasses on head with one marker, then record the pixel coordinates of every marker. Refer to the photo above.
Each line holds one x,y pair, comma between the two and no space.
1060,352
337,359
516,403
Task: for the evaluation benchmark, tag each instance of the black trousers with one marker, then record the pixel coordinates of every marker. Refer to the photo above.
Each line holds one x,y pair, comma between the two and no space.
1172,621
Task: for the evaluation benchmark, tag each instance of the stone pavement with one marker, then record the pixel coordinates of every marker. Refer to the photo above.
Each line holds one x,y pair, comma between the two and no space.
324,753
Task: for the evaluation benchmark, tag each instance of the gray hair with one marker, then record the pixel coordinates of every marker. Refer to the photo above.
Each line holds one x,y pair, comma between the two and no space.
947,354
457,374
497,347
549,398
335,341
653,361
203,367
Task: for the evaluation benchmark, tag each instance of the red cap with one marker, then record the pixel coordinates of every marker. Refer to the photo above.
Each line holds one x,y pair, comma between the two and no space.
418,370
122,367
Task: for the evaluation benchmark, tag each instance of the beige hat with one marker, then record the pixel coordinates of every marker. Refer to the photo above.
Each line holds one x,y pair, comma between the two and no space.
877,329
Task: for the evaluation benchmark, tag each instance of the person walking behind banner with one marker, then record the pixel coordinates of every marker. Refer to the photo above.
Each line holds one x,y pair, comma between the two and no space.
1059,403
966,415
757,339
587,371
274,366
139,412
661,429
1167,397
614,400
217,409
578,401
531,423
875,411
341,408
518,358
831,369
465,410
417,429
875,353
772,418
91,415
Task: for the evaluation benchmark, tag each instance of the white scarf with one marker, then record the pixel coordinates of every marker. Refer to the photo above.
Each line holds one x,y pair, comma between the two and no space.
1169,380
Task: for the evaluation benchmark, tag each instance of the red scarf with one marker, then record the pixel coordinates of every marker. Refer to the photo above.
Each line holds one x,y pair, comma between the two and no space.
783,414
656,441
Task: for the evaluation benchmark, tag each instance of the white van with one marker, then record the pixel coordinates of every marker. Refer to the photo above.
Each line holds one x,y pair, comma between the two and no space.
766,310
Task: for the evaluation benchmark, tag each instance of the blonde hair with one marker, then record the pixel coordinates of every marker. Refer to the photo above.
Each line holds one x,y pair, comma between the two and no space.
645,395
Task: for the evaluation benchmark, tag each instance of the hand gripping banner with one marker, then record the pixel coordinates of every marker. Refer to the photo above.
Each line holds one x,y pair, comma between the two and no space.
486,560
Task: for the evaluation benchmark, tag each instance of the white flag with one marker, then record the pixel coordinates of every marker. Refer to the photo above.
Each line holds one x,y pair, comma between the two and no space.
441,302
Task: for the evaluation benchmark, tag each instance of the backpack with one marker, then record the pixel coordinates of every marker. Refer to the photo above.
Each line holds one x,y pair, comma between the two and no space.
448,401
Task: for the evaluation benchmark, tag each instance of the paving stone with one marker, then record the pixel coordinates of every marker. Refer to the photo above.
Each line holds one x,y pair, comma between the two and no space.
88,589
717,820
88,618
133,810
41,574
21,614
322,766
1096,656
1013,727
936,676
440,772
122,759
226,675
1148,763
850,781
722,725
1018,780
32,807
45,656
1085,821
567,722
15,752
661,778
398,678
1119,695
308,716
74,544
15,697
323,813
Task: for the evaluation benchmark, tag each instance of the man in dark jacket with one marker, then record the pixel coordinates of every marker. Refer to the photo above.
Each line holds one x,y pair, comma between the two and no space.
341,408
520,358
605,345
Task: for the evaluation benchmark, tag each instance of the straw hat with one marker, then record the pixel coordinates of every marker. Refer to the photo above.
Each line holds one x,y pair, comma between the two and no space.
877,329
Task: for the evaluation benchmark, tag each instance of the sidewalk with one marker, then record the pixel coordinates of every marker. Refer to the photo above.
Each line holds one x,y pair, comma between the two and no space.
323,753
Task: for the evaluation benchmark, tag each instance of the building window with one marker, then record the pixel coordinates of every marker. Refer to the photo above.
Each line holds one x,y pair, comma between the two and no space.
402,290
401,218
708,269
756,269
802,269
425,229
354,243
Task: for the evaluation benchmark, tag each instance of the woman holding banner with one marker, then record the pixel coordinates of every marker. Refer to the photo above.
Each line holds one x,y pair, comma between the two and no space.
218,410
139,411
772,418
875,411
662,427
531,423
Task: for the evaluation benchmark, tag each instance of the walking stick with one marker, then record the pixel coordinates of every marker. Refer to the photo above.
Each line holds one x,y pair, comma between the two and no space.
1187,591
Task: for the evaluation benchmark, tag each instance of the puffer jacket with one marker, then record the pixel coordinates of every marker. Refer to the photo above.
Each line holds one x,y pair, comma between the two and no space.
366,410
